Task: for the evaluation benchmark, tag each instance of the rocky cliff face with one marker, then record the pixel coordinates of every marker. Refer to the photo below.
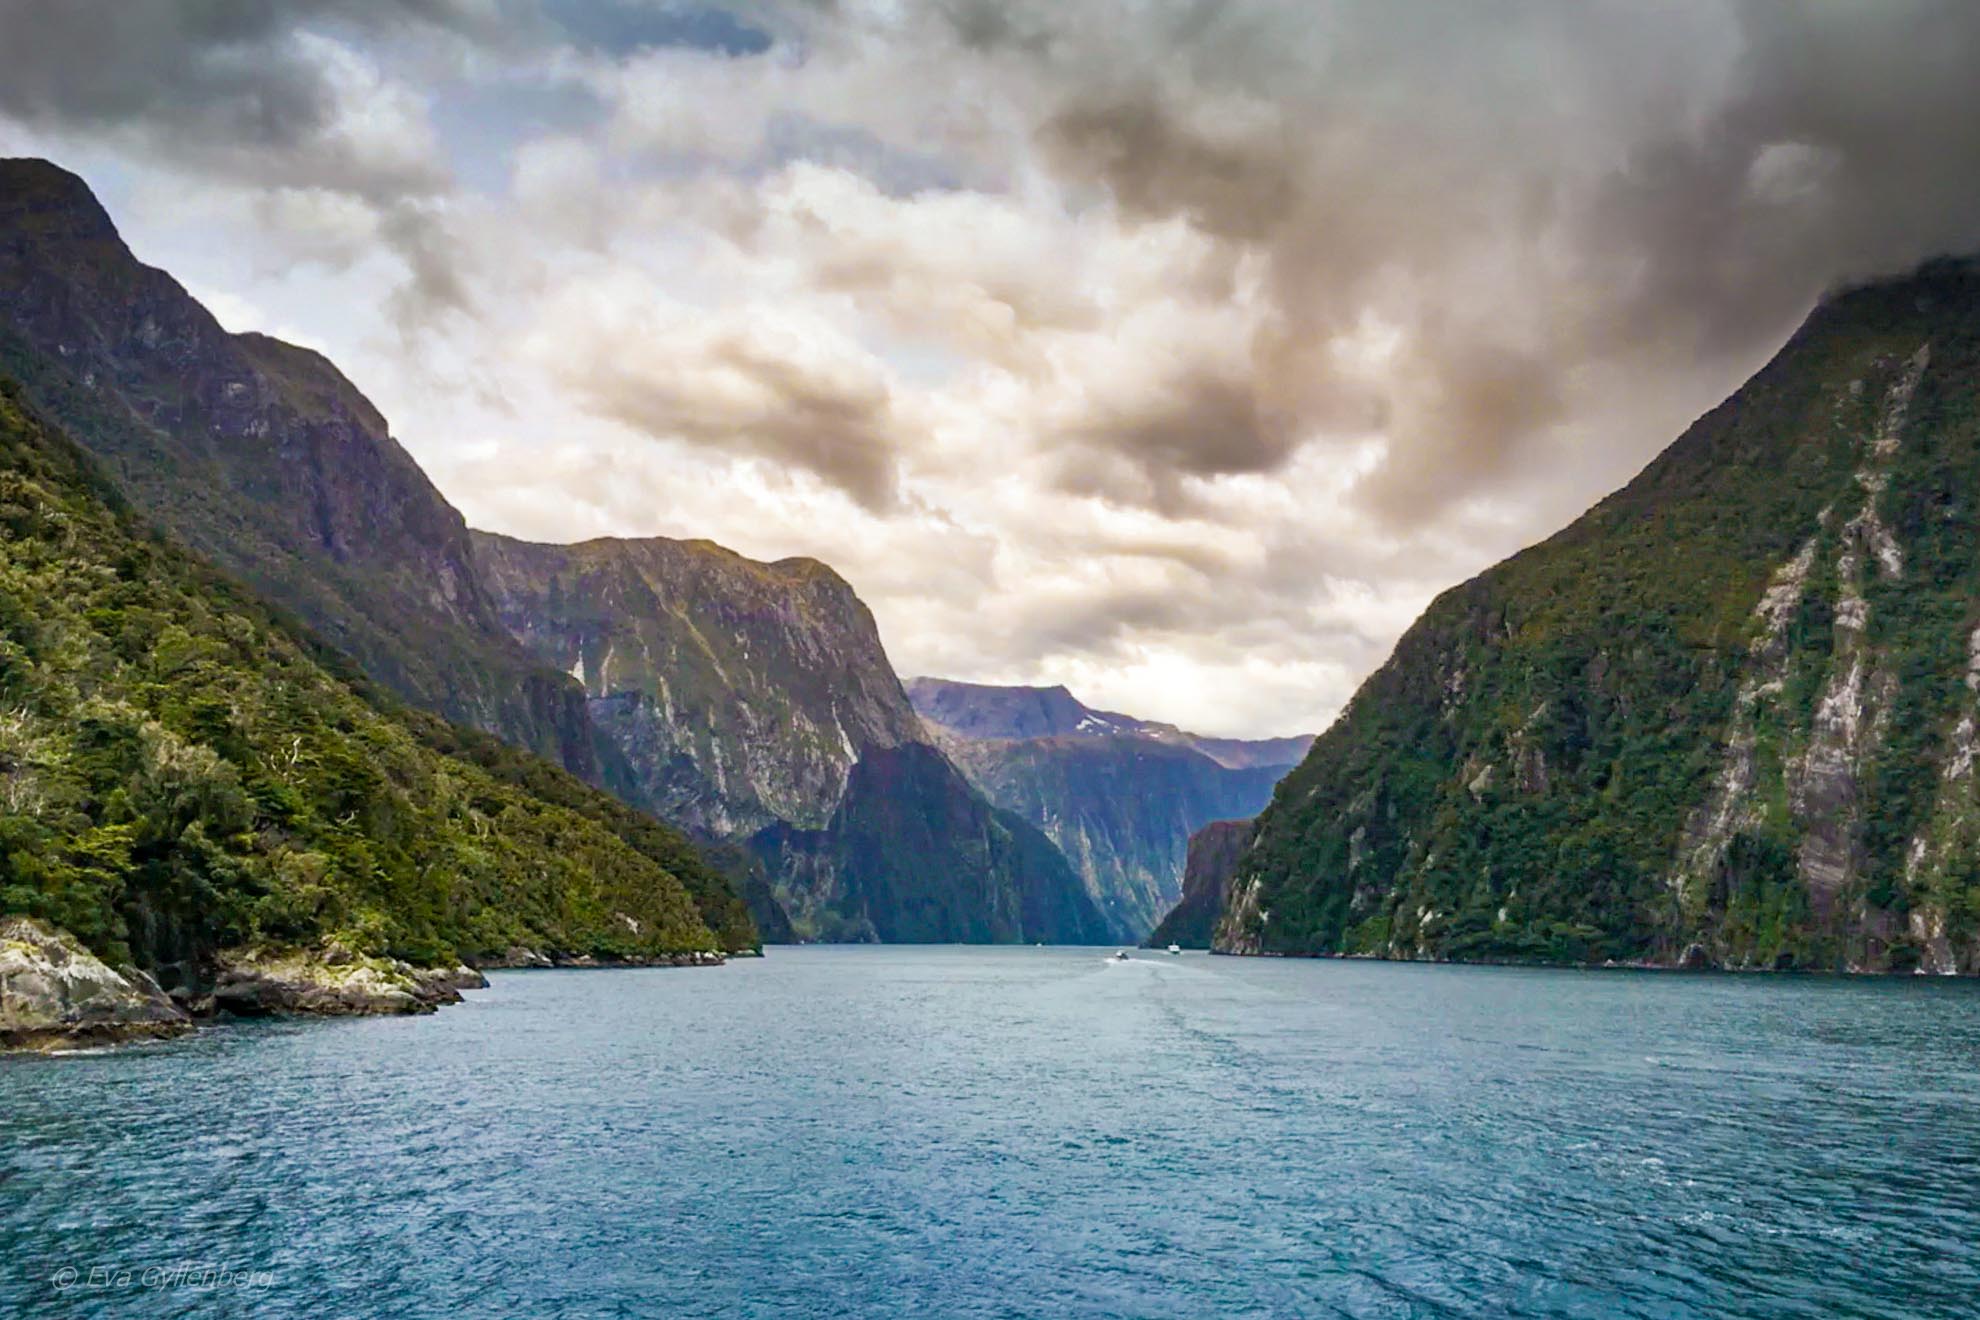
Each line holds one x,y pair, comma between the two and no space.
1119,795
741,693
1213,856
755,702
1726,718
55,994
265,459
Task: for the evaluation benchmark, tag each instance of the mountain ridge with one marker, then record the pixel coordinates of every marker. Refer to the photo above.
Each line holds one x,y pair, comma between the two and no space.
993,711
265,458
1119,795
184,774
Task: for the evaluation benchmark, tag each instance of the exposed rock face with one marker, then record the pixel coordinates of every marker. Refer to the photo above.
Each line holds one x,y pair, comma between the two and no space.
1725,719
1213,856
332,982
755,702
537,958
265,459
55,993
741,693
1119,795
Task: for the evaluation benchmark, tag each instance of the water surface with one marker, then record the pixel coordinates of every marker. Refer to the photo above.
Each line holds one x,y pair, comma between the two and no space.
1023,1132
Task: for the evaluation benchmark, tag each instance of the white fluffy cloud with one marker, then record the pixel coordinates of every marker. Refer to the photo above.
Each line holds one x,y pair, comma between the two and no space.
1177,353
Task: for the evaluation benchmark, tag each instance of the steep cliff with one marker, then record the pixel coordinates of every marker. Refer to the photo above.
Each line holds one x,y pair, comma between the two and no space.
1213,856
755,702
1727,717
1119,795
741,693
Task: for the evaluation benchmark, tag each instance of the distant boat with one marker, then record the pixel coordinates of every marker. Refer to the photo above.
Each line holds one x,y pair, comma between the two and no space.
1175,948
1120,955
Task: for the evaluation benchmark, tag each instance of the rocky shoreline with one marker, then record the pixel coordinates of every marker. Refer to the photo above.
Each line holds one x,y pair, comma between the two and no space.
1693,959
520,959
56,995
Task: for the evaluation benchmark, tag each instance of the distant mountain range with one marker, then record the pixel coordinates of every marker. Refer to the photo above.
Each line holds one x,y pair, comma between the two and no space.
1119,795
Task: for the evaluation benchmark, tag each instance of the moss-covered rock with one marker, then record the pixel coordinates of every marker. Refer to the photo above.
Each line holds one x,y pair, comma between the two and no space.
332,981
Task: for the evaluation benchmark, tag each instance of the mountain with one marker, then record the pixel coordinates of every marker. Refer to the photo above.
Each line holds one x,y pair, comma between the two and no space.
755,703
1213,854
988,711
1726,718
184,774
1119,795
264,459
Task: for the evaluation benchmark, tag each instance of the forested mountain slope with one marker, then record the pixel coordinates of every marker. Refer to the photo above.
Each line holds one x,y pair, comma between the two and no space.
181,772
262,457
1727,717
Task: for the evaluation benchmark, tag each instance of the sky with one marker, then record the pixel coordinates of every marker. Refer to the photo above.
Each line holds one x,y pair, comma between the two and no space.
1179,352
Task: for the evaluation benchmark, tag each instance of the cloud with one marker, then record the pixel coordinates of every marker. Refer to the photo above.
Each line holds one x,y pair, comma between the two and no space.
749,382
1521,194
260,97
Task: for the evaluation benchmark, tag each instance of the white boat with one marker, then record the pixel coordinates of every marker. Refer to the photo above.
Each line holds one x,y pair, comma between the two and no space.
1120,955
1175,948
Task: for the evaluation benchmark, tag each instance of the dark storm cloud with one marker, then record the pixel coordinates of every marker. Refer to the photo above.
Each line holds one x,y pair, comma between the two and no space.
222,80
733,389
1850,148
1527,190
1156,166
626,27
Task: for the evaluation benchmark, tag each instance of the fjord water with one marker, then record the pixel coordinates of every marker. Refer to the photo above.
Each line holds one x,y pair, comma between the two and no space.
1023,1132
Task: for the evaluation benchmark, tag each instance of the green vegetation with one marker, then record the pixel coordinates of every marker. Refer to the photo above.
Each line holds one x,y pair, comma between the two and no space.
1527,775
181,770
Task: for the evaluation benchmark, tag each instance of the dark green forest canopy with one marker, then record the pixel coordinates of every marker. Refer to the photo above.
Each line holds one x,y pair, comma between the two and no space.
182,770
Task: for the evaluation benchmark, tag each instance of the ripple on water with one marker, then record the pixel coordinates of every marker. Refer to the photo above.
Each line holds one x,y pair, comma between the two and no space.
972,1132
